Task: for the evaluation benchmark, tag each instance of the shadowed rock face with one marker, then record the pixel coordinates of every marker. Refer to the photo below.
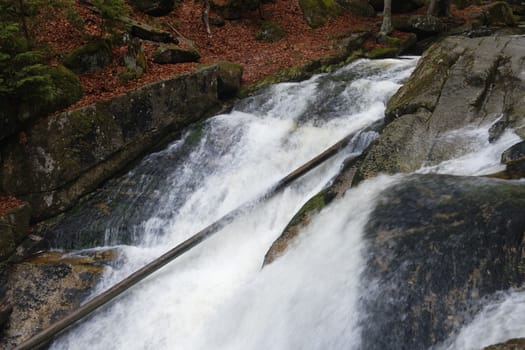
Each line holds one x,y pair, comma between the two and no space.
458,82
437,245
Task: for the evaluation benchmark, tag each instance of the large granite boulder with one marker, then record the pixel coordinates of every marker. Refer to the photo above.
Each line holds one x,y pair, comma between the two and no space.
457,82
437,245
69,155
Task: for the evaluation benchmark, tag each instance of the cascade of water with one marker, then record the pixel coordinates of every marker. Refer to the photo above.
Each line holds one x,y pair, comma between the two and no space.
237,157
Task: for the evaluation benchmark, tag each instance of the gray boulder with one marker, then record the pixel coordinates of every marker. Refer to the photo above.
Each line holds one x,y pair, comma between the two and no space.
457,82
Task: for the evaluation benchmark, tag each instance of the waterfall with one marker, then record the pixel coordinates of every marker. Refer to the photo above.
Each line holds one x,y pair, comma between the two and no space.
217,296
224,162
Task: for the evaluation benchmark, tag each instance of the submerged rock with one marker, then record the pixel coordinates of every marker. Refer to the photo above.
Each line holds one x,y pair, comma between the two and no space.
436,246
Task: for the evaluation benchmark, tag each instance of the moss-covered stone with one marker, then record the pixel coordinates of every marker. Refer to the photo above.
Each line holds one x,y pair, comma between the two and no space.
358,7
513,344
317,12
69,155
270,32
167,54
90,57
500,14
61,90
232,9
154,7
300,219
382,52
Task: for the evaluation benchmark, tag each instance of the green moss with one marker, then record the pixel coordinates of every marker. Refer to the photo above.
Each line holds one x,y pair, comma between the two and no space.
383,52
315,204
500,14
61,89
317,12
90,57
270,32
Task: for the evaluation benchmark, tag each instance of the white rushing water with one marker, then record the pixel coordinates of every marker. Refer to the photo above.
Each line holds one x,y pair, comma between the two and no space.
217,296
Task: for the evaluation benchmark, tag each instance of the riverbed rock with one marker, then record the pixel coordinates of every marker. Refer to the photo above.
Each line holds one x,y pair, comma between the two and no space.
437,246
457,82
69,155
229,81
46,288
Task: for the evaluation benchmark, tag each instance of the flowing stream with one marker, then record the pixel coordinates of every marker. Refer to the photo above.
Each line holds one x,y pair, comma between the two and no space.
217,296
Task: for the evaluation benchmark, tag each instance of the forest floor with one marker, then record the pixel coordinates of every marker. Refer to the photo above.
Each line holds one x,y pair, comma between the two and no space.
235,41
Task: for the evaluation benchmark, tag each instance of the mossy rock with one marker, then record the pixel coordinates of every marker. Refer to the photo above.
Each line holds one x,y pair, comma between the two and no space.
62,89
382,52
358,7
500,14
90,57
166,54
270,32
513,344
317,12
229,80
232,9
154,7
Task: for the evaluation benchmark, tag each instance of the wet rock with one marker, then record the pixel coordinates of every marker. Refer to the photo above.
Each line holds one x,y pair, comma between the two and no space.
154,7
457,81
14,228
514,159
46,288
437,246
168,54
69,155
317,12
513,344
90,57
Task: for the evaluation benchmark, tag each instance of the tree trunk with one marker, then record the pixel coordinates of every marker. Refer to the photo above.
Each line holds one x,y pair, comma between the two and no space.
205,16
386,27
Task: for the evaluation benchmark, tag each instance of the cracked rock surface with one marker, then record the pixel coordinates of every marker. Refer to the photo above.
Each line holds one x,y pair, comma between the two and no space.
458,82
